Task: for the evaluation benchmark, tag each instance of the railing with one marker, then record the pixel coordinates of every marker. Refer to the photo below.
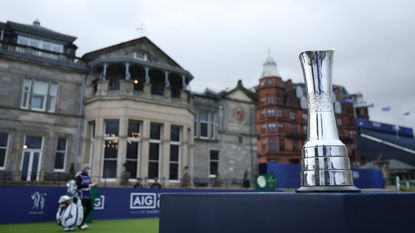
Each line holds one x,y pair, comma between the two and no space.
27,51
60,179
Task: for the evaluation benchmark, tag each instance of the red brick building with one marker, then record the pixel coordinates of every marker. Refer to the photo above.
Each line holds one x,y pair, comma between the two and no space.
281,117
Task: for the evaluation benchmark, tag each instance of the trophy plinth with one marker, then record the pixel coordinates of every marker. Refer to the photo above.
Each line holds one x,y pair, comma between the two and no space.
325,165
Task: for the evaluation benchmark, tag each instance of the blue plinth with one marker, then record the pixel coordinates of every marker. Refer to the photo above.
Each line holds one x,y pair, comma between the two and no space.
287,212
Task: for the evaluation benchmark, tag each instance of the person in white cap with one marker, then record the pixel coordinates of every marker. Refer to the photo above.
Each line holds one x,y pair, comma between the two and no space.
83,182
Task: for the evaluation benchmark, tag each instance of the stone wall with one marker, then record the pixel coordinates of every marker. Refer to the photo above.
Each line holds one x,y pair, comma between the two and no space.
18,122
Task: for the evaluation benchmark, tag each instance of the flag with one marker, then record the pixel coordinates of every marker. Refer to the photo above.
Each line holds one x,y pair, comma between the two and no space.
386,109
406,113
370,105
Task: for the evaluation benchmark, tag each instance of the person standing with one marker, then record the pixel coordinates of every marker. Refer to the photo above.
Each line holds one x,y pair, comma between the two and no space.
156,184
139,184
83,182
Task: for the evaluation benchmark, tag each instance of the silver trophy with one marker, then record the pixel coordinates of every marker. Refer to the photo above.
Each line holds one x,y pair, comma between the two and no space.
325,165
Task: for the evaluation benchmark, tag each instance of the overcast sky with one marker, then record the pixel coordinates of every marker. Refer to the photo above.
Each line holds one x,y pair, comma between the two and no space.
221,41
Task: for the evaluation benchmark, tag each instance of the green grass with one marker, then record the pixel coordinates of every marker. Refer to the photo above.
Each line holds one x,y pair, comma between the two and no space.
149,225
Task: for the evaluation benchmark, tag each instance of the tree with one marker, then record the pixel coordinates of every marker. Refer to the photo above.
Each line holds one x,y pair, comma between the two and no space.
187,179
217,182
71,173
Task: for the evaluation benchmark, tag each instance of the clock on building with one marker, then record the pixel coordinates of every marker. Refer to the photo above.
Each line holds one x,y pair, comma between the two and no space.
239,114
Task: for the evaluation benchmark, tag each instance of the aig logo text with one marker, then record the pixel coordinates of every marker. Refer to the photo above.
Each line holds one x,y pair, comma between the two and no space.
143,201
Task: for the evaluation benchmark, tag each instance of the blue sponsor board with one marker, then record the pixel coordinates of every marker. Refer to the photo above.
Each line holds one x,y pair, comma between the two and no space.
28,204
20,204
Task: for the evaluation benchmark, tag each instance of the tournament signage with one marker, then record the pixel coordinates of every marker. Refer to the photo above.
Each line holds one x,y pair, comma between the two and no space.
36,204
144,201
265,182
39,202
99,203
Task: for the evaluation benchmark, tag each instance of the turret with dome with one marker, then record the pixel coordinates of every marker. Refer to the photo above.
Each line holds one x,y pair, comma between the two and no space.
269,68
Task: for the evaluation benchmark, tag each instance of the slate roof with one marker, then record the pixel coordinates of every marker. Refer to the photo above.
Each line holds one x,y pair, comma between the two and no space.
39,31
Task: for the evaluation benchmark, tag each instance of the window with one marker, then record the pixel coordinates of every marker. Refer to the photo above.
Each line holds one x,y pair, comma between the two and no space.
32,155
240,139
27,84
39,95
282,144
339,121
213,163
60,157
305,129
22,40
272,145
295,146
262,115
271,113
280,127
195,126
263,128
52,97
293,129
271,100
33,142
133,143
111,148
279,114
204,122
264,145
305,116
112,128
213,126
39,44
292,115
4,144
271,127
142,55
269,82
206,125
154,153
174,168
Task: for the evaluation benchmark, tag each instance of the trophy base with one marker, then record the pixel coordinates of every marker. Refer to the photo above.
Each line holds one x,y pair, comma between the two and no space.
328,189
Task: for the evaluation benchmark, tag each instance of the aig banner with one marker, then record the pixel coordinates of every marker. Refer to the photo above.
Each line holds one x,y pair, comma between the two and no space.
21,204
128,203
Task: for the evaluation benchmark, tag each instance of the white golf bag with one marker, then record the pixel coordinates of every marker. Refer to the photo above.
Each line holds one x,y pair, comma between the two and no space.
70,212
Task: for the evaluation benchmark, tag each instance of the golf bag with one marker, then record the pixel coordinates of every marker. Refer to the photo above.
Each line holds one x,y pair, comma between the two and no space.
70,212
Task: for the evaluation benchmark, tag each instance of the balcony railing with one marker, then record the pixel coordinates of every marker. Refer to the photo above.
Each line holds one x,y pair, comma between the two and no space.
45,55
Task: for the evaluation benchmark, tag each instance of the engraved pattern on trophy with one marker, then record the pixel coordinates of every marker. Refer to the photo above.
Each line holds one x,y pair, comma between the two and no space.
320,102
325,165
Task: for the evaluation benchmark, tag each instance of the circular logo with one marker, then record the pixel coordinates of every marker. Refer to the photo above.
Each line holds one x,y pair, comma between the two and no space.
260,180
